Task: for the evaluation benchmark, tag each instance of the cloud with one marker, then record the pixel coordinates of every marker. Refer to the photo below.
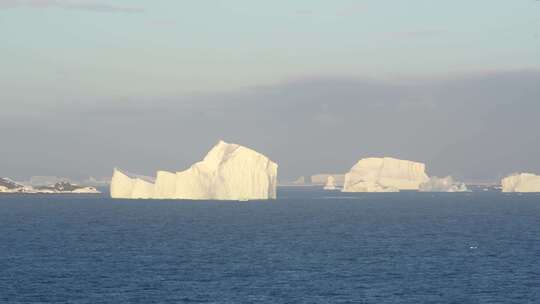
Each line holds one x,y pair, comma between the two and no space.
477,126
352,10
304,11
86,5
418,33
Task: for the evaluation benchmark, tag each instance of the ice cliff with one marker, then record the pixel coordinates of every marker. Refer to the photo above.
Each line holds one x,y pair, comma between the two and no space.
444,184
384,175
228,172
131,186
521,182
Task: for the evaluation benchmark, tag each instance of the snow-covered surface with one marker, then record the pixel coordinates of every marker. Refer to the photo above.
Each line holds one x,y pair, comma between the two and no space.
228,172
88,190
330,183
521,182
385,175
9,186
444,184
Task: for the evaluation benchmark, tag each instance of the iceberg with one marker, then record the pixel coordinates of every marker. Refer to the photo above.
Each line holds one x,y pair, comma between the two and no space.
322,179
130,186
300,181
521,182
384,175
142,189
330,183
66,187
444,184
227,172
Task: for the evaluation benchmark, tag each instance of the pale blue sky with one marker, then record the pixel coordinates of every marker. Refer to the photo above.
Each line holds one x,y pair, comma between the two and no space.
86,85
168,47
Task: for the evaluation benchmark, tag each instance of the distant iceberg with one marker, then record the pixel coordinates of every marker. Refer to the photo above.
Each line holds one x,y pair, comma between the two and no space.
300,181
9,186
330,183
66,187
521,182
228,172
385,175
444,184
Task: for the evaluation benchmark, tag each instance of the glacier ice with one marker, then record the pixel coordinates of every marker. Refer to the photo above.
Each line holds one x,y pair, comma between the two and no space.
330,183
228,172
521,182
384,175
444,184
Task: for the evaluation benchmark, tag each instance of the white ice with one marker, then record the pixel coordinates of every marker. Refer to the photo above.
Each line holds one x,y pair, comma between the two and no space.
330,183
385,175
521,182
444,184
228,172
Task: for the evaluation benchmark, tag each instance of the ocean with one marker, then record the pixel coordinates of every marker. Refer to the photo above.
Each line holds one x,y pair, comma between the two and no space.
309,246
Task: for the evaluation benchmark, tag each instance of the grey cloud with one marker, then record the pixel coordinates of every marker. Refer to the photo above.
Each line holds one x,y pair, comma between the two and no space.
87,5
418,34
475,127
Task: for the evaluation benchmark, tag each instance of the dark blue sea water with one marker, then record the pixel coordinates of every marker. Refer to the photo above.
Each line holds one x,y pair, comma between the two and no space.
307,247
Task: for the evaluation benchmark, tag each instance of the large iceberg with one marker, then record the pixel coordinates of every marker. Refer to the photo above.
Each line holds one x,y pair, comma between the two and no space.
385,175
228,172
521,182
444,184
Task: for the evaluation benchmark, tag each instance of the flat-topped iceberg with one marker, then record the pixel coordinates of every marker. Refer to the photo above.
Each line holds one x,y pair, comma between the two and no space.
444,184
521,182
228,172
385,175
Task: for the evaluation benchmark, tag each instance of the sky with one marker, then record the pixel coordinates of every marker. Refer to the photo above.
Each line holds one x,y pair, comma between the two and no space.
316,85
